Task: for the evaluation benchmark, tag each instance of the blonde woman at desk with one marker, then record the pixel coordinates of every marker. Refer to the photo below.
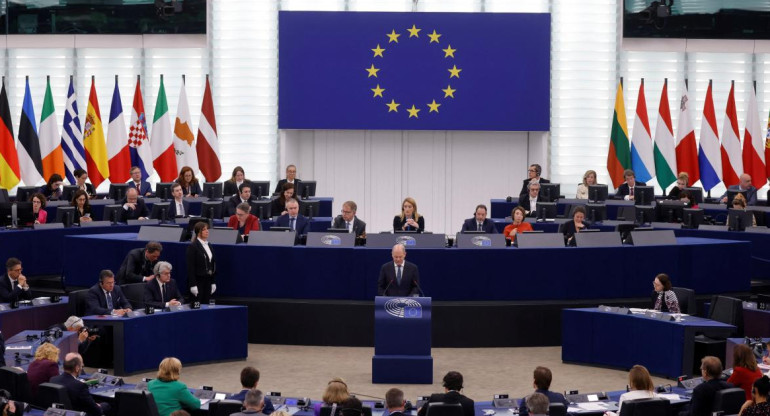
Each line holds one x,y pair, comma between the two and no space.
589,178
641,385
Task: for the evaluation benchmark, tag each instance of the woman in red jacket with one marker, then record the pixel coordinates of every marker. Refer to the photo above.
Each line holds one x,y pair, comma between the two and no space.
243,221
745,370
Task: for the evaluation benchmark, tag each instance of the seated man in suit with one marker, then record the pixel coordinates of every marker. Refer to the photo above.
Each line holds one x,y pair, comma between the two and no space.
249,381
104,298
453,383
178,207
703,396
293,219
143,187
162,292
253,404
398,277
133,207
480,222
744,186
533,174
395,402
291,177
529,200
244,195
542,382
538,404
349,221
13,286
77,390
626,189
138,265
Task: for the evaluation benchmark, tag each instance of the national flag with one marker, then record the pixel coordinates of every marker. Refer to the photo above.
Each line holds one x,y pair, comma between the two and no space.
93,140
117,140
767,149
619,155
208,143
29,146
138,141
10,173
72,137
665,155
642,161
732,163
709,159
50,141
686,148
161,143
753,145
183,135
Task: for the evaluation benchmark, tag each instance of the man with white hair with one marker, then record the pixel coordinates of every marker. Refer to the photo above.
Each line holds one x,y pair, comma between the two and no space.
253,403
162,291
399,277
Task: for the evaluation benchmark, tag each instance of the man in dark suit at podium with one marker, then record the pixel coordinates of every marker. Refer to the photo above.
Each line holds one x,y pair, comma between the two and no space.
453,383
162,291
480,222
399,277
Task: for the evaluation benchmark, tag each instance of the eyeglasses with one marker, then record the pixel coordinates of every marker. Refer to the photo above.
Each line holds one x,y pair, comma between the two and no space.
347,212
531,170
17,270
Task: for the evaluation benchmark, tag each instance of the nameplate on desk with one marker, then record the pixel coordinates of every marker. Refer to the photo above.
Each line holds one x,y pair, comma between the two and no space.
480,241
177,308
171,234
48,226
749,305
143,222
87,224
388,240
659,316
135,314
614,309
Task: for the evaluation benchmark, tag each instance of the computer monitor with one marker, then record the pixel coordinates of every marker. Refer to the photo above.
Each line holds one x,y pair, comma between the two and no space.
731,195
597,193
625,232
4,196
546,210
260,189
305,189
645,214
280,229
211,209
23,193
6,209
212,190
309,208
24,213
160,211
697,194
163,190
596,212
68,192
65,215
670,211
118,191
644,195
738,219
112,213
692,218
262,209
549,192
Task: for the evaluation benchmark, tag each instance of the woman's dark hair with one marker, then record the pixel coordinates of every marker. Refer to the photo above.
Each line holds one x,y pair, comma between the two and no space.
664,280
285,188
577,209
53,179
763,386
198,228
180,180
39,196
78,194
453,380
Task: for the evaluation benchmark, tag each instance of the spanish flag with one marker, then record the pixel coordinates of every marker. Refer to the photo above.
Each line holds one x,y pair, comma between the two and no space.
93,140
10,174
619,156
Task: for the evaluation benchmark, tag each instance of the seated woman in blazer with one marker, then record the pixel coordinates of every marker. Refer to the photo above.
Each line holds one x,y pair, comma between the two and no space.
243,221
575,225
410,219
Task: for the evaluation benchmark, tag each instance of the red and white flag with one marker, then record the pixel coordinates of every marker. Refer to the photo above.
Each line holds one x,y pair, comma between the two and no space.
207,145
732,164
754,145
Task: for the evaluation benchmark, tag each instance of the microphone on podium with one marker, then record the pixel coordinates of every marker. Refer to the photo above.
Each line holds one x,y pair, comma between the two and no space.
385,292
416,283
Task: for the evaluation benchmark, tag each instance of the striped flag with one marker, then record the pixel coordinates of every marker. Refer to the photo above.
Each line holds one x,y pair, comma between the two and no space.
10,173
72,136
619,155
50,141
686,149
29,146
767,149
138,141
642,161
732,163
753,145
161,143
709,158
184,140
665,155
117,141
208,143
93,140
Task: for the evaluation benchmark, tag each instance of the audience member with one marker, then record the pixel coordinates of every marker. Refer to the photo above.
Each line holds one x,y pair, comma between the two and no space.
105,298
233,185
739,203
243,221
745,369
80,181
537,403
689,202
348,220
190,185
542,382
75,324
10,407
249,381
410,219
664,299
253,403
336,392
758,405
78,391
395,402
399,277
278,206
244,197
682,181
529,200
133,207
13,286
180,413
626,189
351,407
82,207
518,225
171,394
533,176
138,264
43,367
480,222
201,265
178,207
575,225
702,399
744,186
641,387
143,188
38,208
589,178
52,189
162,292
291,178
293,219
453,384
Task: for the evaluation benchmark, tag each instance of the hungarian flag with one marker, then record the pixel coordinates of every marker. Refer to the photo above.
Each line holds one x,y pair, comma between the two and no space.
138,141
642,161
117,141
10,174
184,140
161,143
93,140
665,155
732,164
753,145
29,146
208,143
686,149
72,136
709,157
50,141
619,156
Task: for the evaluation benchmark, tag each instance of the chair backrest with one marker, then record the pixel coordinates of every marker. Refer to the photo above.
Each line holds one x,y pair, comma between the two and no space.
15,381
77,302
557,409
135,402
727,310
686,298
444,409
134,292
729,400
224,407
645,407
49,393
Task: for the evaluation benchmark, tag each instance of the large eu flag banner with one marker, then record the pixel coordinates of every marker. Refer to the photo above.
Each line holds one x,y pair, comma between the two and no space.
414,71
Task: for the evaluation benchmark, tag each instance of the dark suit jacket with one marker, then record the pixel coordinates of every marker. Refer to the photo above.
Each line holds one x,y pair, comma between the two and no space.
277,207
231,189
241,396
569,229
703,396
302,224
79,395
553,397
450,397
279,186
172,209
488,226
623,189
398,223
751,193
525,190
153,297
359,227
193,189
233,202
144,187
76,217
524,202
134,268
9,293
134,214
90,189
96,302
199,265
410,280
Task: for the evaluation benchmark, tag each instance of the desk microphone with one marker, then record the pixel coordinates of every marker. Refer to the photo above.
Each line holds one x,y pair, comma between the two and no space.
385,292
416,283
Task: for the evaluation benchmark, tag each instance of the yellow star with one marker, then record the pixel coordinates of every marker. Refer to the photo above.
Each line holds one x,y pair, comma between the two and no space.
379,51
377,91
393,36
373,71
454,72
413,111
434,36
393,106
449,92
413,32
449,52
434,106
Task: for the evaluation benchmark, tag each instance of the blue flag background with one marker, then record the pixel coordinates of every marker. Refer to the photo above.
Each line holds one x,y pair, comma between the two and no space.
486,71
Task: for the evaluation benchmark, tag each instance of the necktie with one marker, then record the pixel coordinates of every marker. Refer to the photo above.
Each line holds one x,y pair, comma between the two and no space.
631,191
163,292
291,223
398,275
348,226
478,226
109,301
179,211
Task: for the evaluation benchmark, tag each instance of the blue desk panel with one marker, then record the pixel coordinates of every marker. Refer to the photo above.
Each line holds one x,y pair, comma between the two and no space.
14,321
18,344
760,247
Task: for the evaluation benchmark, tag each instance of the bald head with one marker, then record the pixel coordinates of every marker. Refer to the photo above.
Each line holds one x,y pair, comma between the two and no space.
399,254
73,362
745,181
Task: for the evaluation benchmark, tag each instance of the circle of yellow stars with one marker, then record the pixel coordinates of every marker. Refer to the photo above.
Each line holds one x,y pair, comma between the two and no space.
414,110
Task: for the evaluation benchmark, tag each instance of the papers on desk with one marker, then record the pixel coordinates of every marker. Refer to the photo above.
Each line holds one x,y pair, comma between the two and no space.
18,348
671,397
592,406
